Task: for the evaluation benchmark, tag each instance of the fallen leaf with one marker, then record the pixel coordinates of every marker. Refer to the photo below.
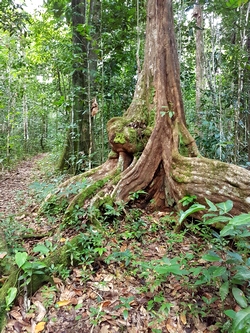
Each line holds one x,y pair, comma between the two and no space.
104,329
77,272
183,318
41,311
18,327
2,254
108,278
171,326
63,240
15,314
57,280
63,303
40,327
100,286
105,304
19,218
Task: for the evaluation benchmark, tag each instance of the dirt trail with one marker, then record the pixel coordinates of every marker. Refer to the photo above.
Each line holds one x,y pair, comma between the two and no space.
13,184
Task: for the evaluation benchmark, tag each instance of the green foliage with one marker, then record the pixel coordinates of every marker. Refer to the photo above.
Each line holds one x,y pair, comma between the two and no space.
241,320
232,268
88,247
28,267
135,195
12,292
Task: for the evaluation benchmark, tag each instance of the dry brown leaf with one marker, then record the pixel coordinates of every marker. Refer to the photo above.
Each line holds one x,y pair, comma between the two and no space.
171,326
105,304
74,301
19,218
41,311
105,329
2,254
123,248
57,280
66,293
16,315
108,277
18,327
40,327
77,272
183,318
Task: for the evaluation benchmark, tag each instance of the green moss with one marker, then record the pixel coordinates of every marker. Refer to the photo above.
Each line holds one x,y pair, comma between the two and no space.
119,138
113,154
181,169
183,145
152,93
117,124
147,132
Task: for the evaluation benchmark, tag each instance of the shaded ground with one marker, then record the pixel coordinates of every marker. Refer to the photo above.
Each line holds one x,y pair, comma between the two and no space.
118,281
13,182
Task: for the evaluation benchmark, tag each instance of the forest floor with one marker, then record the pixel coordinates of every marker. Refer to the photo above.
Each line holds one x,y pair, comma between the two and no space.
132,277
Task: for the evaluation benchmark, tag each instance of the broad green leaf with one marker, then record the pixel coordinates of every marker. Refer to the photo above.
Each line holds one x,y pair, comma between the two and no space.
247,262
219,272
193,209
41,248
212,207
125,314
242,219
225,206
242,275
196,270
224,290
228,230
230,313
11,295
241,321
20,258
170,113
217,219
174,269
211,256
239,297
235,256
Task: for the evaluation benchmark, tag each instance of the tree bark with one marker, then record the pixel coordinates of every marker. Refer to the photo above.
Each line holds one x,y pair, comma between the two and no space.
151,144
79,141
171,155
198,15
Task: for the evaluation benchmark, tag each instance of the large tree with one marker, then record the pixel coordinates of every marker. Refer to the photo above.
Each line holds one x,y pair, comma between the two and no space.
152,149
151,146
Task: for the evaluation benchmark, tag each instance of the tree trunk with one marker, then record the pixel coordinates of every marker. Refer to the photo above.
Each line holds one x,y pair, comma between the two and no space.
170,166
151,145
79,137
198,15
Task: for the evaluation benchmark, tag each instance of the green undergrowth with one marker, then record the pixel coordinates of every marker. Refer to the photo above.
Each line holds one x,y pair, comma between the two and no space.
209,266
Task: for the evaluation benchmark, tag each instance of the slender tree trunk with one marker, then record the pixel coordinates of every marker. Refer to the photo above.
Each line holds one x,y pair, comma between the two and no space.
198,14
25,121
79,138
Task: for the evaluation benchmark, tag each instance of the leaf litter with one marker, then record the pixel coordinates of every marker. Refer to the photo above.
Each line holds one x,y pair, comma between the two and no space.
124,289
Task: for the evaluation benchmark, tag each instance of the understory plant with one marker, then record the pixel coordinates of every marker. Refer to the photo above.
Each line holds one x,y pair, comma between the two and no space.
230,268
